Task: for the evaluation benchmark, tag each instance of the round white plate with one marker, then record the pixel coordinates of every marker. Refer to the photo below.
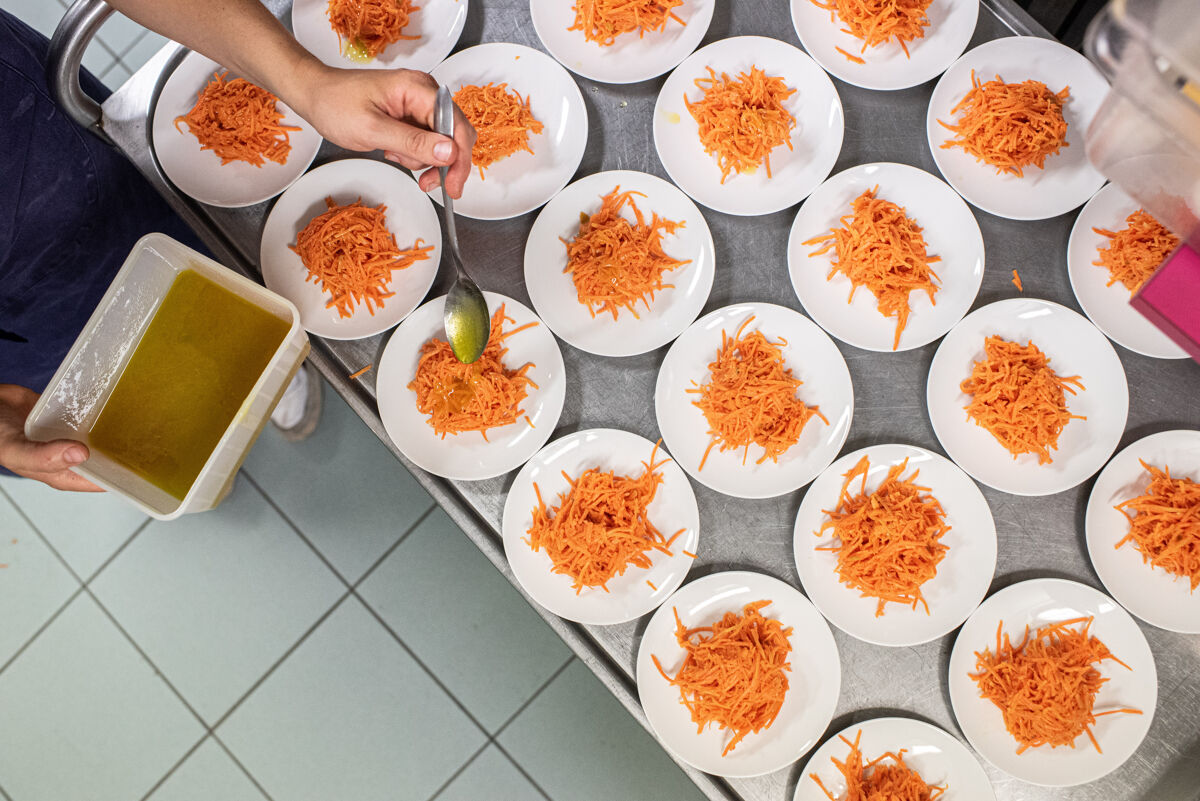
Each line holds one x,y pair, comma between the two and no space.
410,216
523,181
1151,593
468,456
1041,602
950,231
672,310
198,173
816,139
814,680
630,58
1108,306
1074,347
439,23
951,24
1068,179
962,577
940,759
812,357
628,596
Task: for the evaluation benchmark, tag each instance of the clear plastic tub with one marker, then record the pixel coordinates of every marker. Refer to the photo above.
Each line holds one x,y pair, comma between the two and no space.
79,389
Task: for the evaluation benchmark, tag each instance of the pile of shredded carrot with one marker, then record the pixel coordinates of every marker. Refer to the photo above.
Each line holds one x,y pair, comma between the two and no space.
880,247
502,120
350,252
1165,524
750,398
1010,125
478,396
601,527
365,28
1136,251
1046,686
616,263
1018,398
878,21
742,120
602,21
734,671
889,541
895,782
239,122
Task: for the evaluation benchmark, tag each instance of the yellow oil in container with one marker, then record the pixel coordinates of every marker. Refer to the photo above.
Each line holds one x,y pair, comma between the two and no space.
202,353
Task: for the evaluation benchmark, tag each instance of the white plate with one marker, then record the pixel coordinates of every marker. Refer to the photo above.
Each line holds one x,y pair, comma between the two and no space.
630,58
816,139
1151,593
672,310
410,216
962,577
1068,179
1074,347
950,231
198,173
1108,306
812,357
439,23
1041,602
628,596
951,24
814,679
940,759
523,181
468,456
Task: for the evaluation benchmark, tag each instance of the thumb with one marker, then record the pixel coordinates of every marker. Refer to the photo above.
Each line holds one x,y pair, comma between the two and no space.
45,457
417,143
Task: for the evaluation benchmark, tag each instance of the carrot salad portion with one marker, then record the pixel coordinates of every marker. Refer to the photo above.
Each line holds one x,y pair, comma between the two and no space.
502,120
734,673
877,22
877,781
889,541
1164,524
1018,398
602,21
1136,251
750,398
350,252
615,263
1010,126
878,246
742,119
239,122
1046,685
483,395
365,28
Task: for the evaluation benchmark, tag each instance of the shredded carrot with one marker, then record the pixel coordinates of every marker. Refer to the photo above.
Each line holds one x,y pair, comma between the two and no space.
1046,686
1018,398
889,541
735,676
1165,526
601,526
239,122
1016,279
365,28
750,398
350,252
1010,125
502,120
880,247
616,263
652,585
850,56
689,554
360,372
876,22
895,782
741,121
602,21
1136,251
471,397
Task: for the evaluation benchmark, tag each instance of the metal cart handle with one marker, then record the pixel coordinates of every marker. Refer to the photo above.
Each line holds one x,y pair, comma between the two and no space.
71,38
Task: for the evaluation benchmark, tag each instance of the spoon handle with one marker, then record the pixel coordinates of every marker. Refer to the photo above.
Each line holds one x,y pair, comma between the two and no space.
443,123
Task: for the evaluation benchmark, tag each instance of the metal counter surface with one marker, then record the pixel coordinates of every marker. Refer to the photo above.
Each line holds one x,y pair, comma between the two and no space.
1037,536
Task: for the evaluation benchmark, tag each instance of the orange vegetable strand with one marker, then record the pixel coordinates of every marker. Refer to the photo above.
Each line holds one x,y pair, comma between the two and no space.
1164,526
502,120
602,21
875,781
1136,251
239,122
876,22
1016,280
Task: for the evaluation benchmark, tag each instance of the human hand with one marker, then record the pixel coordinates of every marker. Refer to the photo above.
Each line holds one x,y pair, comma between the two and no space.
42,461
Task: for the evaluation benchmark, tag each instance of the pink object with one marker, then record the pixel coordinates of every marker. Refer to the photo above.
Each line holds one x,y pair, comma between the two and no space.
1171,299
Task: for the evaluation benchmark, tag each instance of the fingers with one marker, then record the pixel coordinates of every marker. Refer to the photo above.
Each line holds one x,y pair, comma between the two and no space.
67,481
405,161
26,457
418,145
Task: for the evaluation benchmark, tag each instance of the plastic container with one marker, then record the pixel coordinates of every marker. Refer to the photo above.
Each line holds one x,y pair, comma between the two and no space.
79,389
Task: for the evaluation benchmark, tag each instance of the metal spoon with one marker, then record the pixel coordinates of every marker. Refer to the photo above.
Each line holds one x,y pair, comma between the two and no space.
466,315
